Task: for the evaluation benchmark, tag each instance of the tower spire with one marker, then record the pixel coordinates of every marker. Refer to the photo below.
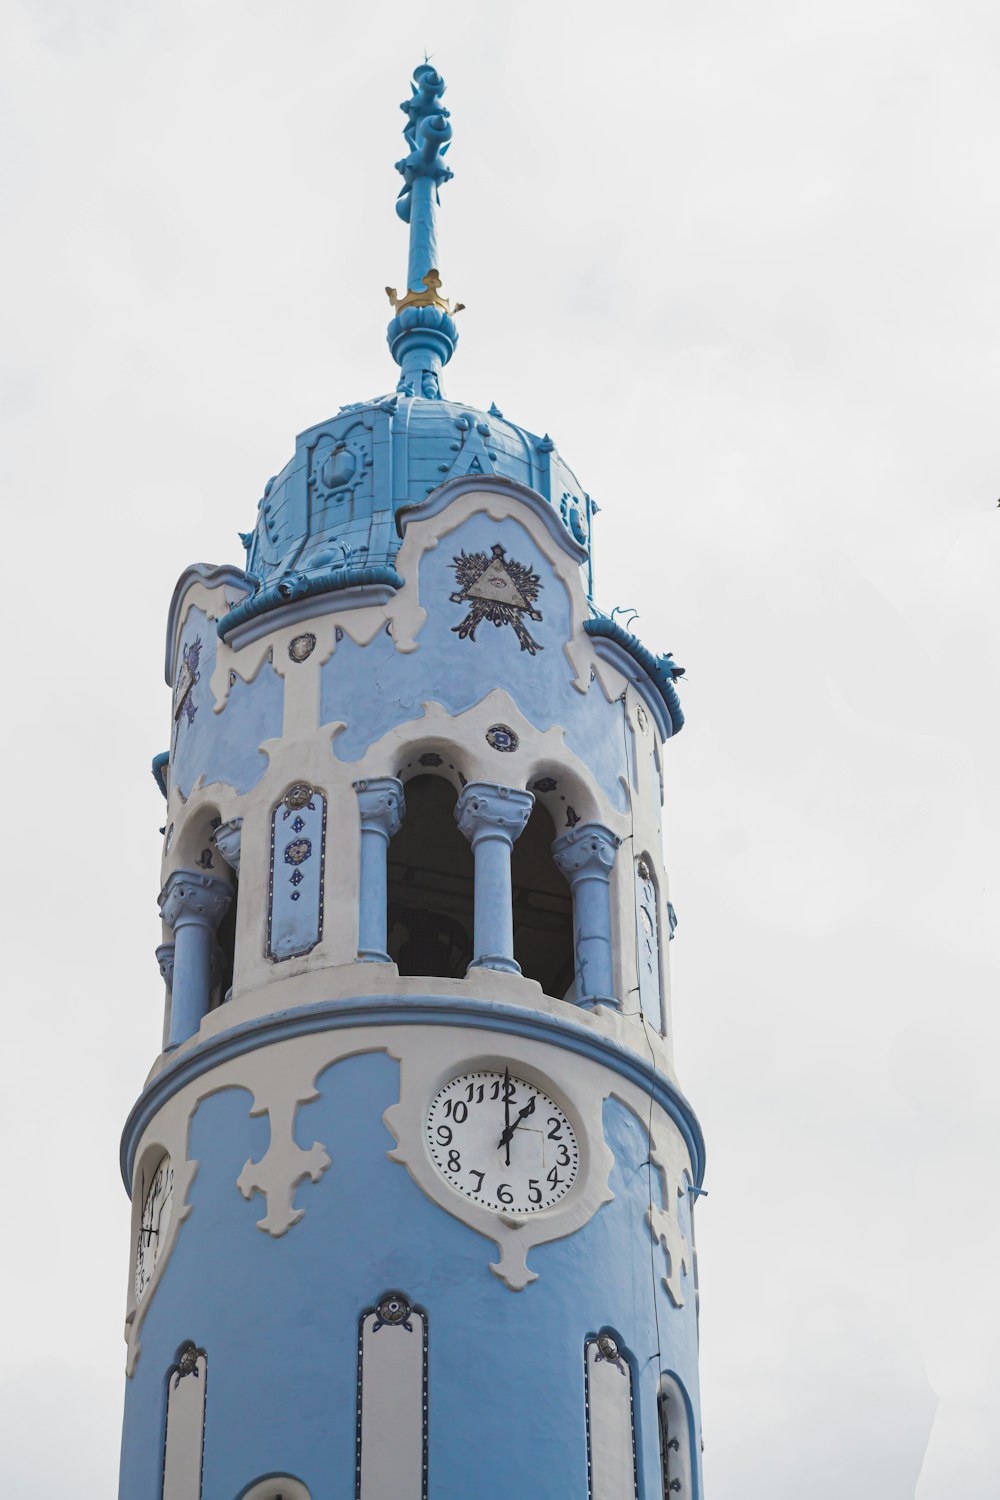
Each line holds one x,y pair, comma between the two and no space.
422,335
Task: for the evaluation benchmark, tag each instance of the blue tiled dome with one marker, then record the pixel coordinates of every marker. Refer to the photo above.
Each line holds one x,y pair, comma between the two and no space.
334,504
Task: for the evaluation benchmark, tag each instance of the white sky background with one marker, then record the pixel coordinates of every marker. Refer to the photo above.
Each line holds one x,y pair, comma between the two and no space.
741,261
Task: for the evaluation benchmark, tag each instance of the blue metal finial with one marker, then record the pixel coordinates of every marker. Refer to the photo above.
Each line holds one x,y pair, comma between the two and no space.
428,135
422,335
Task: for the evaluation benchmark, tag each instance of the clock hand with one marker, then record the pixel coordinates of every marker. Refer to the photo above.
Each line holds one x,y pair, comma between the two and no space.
505,1138
528,1109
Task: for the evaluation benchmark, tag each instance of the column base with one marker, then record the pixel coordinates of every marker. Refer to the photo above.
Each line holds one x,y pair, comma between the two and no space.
589,1002
373,956
495,961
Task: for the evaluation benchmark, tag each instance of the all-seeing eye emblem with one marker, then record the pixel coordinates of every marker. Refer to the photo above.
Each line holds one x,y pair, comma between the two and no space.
496,589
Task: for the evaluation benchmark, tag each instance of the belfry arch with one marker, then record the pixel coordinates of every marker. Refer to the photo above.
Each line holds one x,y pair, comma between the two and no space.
542,908
430,906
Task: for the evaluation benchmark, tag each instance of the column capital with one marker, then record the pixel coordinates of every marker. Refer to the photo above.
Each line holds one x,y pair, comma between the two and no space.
485,810
191,896
165,959
586,852
227,839
381,804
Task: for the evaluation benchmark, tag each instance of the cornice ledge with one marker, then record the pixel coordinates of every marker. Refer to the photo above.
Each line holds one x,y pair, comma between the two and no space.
659,671
423,1010
496,484
294,587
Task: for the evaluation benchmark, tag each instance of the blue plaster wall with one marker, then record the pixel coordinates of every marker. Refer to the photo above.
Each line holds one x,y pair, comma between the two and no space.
278,1318
375,688
224,746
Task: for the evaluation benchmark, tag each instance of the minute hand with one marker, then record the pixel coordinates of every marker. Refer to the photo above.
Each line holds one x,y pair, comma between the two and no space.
523,1114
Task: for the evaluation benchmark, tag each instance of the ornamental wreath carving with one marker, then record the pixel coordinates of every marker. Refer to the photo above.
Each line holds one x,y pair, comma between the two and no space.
498,589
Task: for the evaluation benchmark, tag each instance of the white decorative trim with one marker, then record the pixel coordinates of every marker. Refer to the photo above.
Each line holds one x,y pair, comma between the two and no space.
664,1225
284,1164
313,607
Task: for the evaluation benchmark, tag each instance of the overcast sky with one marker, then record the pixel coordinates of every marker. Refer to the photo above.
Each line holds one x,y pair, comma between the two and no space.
741,260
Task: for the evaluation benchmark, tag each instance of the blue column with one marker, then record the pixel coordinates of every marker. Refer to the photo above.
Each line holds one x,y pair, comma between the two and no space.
382,808
586,856
165,959
193,904
492,817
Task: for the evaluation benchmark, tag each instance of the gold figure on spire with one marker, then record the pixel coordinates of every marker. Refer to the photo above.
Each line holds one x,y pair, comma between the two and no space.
430,298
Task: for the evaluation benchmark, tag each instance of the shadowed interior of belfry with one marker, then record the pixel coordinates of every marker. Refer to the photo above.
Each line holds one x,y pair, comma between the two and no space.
543,908
430,884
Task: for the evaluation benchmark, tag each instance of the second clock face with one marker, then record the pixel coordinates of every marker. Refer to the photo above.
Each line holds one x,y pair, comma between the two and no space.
502,1142
154,1220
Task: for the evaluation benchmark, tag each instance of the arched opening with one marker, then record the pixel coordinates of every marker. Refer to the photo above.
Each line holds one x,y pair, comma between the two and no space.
675,1439
392,1399
611,1449
430,885
184,1437
543,909
277,1487
200,847
225,939
648,948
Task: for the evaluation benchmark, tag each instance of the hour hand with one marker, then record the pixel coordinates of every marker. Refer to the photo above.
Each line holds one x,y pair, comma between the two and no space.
523,1113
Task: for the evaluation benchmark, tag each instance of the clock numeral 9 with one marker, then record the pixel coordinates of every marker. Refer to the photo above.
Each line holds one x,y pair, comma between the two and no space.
443,1133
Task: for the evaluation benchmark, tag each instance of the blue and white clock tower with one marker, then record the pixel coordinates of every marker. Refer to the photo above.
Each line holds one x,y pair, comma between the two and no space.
412,1178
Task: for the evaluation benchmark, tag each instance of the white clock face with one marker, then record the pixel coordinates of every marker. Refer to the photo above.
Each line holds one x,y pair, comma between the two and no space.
502,1142
154,1220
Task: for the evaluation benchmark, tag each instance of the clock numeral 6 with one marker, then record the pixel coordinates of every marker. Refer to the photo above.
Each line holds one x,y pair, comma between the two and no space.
504,1194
